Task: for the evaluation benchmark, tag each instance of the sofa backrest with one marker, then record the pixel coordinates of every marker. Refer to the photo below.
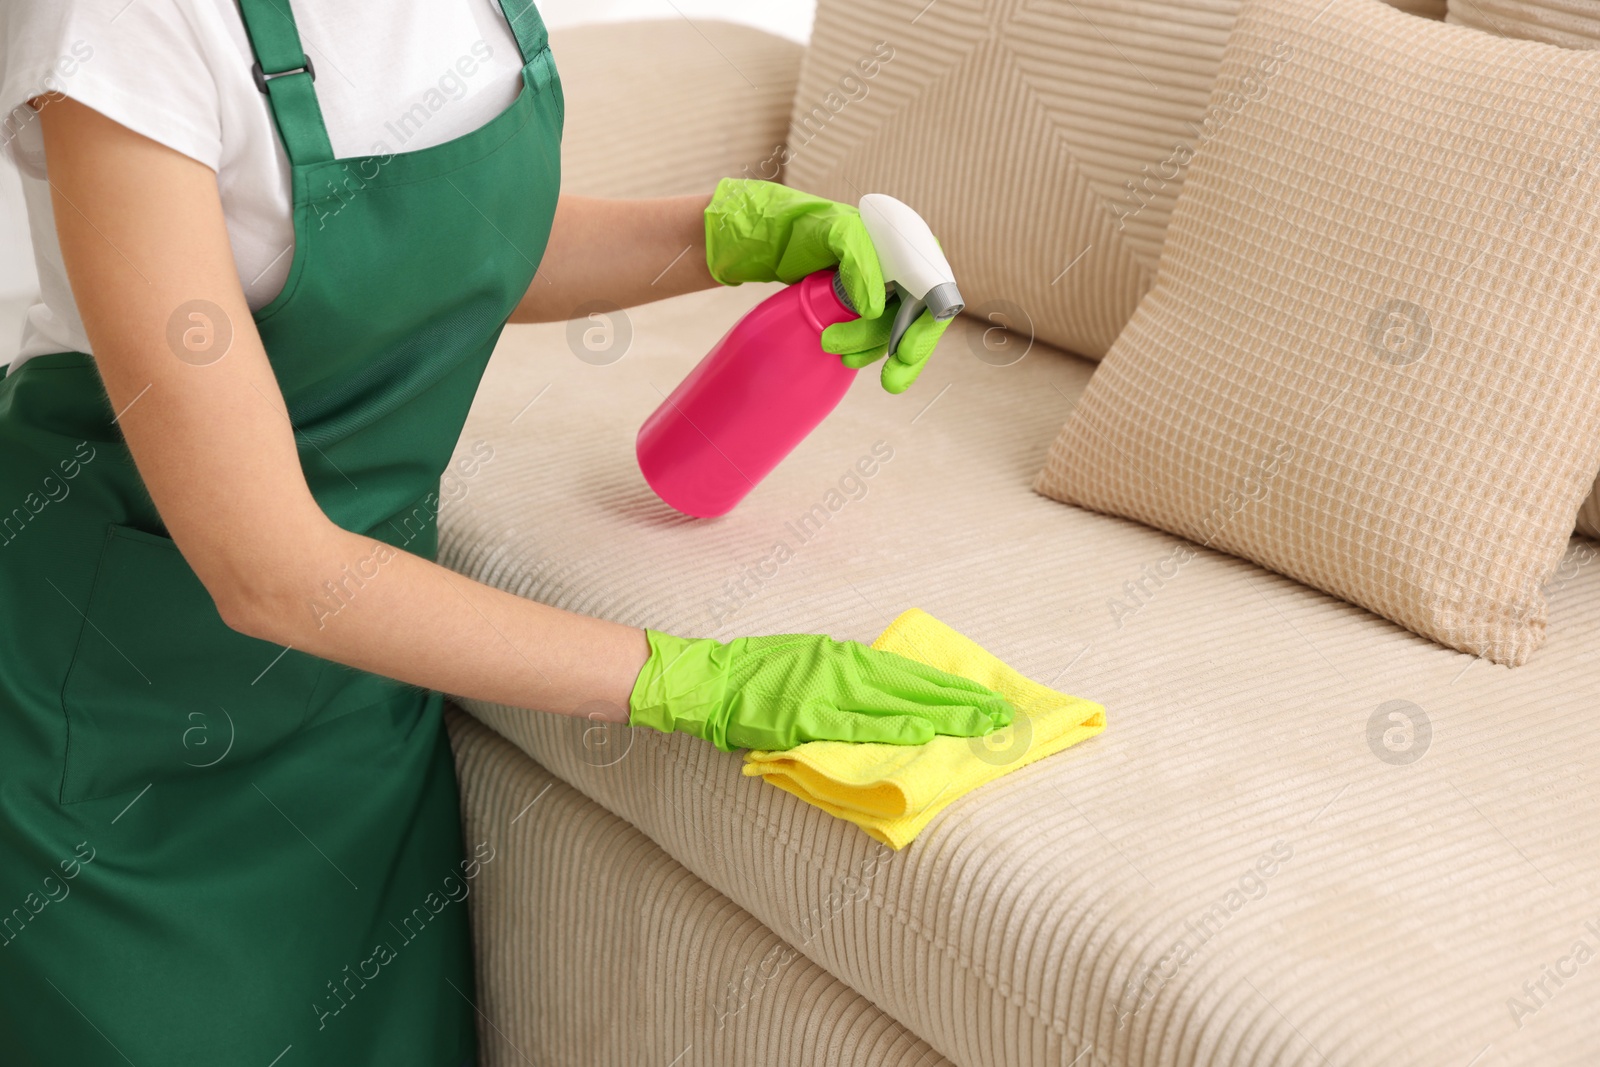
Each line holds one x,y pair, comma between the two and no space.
1567,23
1044,143
665,107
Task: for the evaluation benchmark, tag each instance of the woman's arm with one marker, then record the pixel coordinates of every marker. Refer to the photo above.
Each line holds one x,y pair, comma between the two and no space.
142,232
626,251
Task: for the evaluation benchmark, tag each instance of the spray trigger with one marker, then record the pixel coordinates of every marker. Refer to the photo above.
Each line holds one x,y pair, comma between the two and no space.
910,308
914,266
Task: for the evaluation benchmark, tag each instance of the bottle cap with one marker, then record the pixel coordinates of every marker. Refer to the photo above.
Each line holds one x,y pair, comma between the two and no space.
843,297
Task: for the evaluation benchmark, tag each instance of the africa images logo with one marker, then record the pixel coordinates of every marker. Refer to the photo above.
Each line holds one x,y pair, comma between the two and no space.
344,987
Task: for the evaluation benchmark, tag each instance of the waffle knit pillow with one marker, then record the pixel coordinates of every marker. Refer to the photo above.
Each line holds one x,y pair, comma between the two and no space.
1044,142
1371,359
1570,24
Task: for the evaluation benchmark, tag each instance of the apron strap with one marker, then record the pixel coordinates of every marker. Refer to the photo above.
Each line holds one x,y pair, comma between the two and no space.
284,72
527,26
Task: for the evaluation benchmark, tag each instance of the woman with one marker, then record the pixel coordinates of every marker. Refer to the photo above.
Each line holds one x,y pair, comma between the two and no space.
228,815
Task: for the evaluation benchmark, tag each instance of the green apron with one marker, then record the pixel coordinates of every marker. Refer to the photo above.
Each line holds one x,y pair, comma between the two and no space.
214,850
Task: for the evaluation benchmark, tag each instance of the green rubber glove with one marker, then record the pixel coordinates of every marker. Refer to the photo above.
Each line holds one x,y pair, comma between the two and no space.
776,692
862,342
760,231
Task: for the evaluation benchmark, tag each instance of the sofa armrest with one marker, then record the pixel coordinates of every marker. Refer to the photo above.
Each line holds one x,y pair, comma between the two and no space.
666,107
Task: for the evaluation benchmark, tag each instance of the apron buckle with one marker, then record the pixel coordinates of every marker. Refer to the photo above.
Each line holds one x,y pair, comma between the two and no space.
262,78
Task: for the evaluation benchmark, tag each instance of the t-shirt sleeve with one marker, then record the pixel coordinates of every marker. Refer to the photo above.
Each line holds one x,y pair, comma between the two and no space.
142,63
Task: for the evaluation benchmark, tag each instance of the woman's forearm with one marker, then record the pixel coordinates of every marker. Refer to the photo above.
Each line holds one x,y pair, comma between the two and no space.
624,251
421,623
366,604
217,451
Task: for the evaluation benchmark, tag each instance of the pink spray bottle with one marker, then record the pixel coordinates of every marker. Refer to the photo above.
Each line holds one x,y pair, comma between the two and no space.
768,383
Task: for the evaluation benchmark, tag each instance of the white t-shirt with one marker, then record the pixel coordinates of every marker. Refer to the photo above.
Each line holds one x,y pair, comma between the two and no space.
392,76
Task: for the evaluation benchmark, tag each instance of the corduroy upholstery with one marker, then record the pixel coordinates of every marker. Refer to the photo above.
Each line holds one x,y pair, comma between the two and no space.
666,107
1568,23
1243,710
1411,906
595,948
1044,142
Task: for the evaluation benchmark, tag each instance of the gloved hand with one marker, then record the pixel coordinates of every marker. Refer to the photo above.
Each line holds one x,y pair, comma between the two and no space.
776,692
864,341
758,231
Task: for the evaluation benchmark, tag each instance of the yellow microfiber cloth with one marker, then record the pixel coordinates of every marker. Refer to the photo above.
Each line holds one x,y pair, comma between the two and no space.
893,791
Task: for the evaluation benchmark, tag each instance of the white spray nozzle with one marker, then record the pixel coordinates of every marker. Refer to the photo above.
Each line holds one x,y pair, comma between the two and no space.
913,263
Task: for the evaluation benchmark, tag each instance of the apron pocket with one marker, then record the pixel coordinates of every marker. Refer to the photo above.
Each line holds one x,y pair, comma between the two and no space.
159,687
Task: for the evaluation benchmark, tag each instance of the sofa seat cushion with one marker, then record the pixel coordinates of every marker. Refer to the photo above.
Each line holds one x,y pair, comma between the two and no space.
1249,866
595,948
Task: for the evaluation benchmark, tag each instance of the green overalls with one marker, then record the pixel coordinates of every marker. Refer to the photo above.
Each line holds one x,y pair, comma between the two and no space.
214,850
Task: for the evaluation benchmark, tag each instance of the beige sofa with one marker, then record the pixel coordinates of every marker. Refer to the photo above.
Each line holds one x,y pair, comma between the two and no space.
1240,870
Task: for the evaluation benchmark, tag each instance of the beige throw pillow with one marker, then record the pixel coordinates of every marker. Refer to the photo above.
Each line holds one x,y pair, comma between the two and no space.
1570,24
1045,143
1371,360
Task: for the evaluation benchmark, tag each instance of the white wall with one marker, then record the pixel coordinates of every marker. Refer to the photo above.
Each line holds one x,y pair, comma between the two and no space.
790,18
